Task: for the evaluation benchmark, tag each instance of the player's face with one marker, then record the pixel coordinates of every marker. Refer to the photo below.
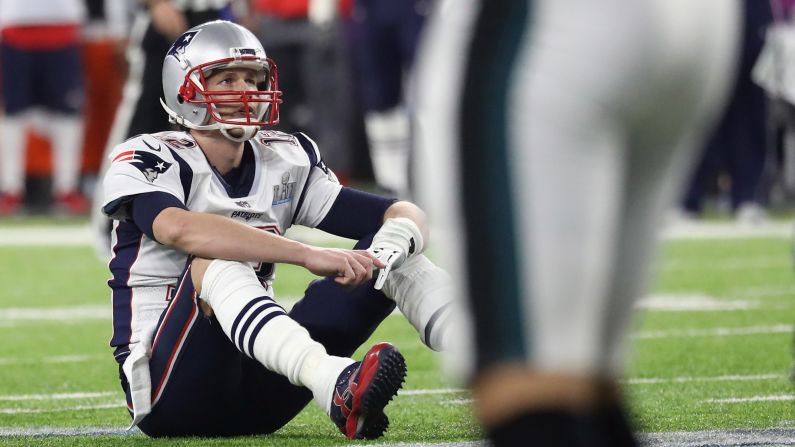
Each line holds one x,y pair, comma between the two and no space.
234,79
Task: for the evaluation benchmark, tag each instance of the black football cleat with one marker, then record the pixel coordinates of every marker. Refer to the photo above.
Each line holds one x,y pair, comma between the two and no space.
364,389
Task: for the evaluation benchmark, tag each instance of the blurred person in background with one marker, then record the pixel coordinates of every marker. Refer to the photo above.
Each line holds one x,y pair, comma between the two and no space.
383,38
41,68
306,37
155,25
104,44
553,135
734,159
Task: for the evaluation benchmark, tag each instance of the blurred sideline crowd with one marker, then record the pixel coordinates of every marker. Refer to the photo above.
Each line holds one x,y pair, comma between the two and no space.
79,76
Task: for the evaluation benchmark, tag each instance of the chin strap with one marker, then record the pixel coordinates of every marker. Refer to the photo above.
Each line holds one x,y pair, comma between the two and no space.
248,131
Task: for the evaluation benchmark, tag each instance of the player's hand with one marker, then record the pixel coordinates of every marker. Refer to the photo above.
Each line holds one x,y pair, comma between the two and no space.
350,267
397,240
167,19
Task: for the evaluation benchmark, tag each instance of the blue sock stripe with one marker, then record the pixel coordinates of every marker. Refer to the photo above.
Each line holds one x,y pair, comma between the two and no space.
250,319
432,322
258,327
233,332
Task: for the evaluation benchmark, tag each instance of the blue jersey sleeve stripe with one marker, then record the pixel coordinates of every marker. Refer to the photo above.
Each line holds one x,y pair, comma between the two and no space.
146,207
303,196
312,152
309,147
185,174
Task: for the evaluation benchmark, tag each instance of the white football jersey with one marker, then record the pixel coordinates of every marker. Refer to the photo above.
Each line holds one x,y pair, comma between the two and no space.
291,185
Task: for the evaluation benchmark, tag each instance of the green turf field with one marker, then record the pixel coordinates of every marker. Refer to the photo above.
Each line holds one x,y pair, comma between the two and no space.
712,350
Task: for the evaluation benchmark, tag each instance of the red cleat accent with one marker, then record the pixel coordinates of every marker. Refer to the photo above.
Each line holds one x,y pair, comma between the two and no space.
72,204
364,389
10,205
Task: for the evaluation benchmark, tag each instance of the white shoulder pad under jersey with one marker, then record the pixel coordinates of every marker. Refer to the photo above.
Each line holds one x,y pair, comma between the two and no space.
320,188
140,165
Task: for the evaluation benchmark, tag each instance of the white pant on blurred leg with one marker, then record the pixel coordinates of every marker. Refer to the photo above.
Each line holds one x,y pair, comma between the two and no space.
604,106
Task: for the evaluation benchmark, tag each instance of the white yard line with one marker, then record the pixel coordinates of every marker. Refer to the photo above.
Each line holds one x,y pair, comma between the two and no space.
719,438
71,235
51,359
740,400
658,302
58,396
115,404
56,313
46,236
693,303
66,431
715,332
421,392
685,379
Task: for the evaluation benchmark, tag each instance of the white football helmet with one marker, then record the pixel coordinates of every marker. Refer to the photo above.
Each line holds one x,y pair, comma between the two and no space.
192,59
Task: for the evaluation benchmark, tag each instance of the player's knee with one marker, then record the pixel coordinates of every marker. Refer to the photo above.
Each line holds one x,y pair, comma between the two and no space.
197,270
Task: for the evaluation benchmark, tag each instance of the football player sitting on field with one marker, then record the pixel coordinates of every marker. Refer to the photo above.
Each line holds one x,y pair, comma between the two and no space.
204,348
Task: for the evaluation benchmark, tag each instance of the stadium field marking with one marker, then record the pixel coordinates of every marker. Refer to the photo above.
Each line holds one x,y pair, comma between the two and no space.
727,378
766,437
740,400
58,396
421,392
40,432
692,303
457,402
715,332
665,302
115,404
51,359
64,314
83,235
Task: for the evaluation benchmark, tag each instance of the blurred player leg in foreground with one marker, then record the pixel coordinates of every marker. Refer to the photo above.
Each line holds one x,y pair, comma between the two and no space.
552,135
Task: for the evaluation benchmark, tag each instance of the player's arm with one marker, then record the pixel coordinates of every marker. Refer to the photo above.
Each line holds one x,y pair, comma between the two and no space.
166,220
400,227
356,214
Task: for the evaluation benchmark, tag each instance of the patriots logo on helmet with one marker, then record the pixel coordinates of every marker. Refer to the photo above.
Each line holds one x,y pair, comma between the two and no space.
148,163
178,49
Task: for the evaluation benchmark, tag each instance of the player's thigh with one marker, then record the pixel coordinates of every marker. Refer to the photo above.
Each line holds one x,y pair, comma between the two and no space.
63,85
342,318
18,79
543,193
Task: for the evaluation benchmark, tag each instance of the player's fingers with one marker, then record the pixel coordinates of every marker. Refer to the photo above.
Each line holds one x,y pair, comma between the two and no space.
346,275
362,266
372,256
363,259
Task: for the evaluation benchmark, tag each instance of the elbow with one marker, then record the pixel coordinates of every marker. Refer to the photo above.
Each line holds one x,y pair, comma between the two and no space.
171,227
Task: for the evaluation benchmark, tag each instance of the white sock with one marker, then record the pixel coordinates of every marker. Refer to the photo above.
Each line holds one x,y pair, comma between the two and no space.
13,129
389,138
241,306
423,294
66,135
